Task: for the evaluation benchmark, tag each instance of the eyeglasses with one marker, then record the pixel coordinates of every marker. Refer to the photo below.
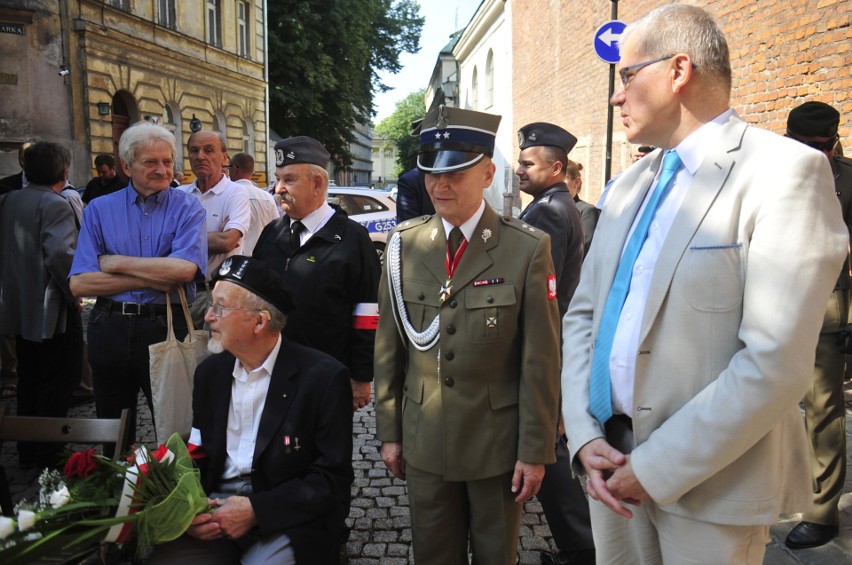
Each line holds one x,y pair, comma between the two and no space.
218,309
628,73
824,146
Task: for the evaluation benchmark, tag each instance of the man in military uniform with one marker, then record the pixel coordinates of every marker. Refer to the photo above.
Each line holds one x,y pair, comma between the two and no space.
467,353
815,124
542,166
327,260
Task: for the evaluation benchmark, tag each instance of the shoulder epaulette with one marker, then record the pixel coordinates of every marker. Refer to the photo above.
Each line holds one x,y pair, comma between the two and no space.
522,226
412,222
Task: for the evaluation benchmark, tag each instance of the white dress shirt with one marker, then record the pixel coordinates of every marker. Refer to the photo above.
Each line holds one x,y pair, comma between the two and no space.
248,397
467,227
625,344
314,222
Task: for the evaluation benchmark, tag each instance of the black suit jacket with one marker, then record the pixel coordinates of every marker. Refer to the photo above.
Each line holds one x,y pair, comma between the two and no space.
302,492
553,211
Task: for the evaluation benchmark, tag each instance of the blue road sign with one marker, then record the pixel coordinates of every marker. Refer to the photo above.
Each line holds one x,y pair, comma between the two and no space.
607,40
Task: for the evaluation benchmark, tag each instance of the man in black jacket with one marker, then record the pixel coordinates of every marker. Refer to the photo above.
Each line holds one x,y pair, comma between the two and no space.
273,427
328,262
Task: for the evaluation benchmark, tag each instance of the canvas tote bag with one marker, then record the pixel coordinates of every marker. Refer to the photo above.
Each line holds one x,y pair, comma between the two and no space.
173,364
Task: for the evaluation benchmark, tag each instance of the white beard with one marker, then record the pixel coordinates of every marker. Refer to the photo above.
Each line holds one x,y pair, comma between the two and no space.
215,346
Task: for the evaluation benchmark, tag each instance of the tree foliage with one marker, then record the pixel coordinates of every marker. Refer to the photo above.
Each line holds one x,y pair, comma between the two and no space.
324,59
397,128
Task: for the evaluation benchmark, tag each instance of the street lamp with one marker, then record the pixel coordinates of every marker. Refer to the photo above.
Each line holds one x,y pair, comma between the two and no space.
103,108
194,124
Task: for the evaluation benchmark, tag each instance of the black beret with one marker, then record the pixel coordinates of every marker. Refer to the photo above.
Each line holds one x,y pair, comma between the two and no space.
453,139
255,276
300,149
813,119
541,133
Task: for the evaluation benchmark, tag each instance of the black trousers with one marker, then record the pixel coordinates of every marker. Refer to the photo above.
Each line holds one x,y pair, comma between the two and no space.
118,354
48,372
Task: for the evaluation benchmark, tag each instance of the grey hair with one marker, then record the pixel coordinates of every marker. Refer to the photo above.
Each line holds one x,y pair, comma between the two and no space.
277,319
219,134
681,28
143,135
317,170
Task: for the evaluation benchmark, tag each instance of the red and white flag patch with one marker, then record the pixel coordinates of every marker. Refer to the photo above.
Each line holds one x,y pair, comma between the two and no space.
551,287
365,316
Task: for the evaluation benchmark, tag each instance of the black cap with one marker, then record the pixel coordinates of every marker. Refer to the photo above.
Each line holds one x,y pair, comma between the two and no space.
300,149
255,276
542,133
813,119
452,139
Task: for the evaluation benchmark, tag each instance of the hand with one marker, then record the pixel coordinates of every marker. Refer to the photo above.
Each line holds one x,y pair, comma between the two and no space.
203,527
624,485
235,517
392,457
527,478
600,459
360,394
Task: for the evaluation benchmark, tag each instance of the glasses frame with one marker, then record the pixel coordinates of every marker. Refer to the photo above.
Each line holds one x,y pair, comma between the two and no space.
219,310
824,146
627,73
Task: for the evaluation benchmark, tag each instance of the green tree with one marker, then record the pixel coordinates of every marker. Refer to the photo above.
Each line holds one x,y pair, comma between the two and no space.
324,56
397,129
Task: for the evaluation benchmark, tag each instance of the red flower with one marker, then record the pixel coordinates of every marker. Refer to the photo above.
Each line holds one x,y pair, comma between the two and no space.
81,464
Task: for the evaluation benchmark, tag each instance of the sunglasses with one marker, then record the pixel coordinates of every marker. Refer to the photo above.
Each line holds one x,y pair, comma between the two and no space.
824,146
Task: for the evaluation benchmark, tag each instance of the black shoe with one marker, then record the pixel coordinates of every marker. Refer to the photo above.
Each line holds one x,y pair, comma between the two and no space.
809,534
581,557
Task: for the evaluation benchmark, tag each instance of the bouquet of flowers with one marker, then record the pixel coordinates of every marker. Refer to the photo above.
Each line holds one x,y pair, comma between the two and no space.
150,500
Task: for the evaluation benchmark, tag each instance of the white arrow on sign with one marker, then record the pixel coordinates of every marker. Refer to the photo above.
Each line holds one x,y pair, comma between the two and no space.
609,38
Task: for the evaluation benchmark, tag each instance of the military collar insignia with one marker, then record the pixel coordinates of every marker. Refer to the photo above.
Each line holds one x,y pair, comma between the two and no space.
434,234
486,235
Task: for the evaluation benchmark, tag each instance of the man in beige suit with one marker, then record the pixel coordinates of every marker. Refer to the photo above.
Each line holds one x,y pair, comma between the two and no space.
467,354
690,339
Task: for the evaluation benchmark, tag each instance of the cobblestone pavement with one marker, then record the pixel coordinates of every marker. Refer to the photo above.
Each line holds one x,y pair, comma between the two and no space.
380,522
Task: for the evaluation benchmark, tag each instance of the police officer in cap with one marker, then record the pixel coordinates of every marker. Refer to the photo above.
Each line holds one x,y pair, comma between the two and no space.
467,353
327,260
815,124
541,169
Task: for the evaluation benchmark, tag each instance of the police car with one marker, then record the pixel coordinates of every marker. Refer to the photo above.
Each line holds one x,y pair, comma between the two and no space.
373,209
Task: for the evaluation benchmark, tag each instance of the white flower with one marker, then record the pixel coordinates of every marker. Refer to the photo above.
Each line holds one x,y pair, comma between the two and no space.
26,519
7,527
60,498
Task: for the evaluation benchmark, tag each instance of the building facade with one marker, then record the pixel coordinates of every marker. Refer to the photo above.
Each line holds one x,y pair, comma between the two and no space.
384,162
79,72
783,53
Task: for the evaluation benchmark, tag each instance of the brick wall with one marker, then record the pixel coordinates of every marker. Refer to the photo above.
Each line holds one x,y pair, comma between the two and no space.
783,52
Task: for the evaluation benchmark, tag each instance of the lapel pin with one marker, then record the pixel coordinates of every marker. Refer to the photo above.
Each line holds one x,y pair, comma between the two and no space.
486,234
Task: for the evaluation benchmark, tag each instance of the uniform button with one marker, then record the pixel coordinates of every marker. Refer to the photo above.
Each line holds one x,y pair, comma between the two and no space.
453,303
421,296
450,356
451,329
449,381
489,299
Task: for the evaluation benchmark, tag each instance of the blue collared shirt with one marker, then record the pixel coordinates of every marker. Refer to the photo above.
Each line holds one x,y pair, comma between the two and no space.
167,224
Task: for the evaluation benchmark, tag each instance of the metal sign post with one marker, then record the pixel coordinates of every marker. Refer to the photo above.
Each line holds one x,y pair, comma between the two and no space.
607,47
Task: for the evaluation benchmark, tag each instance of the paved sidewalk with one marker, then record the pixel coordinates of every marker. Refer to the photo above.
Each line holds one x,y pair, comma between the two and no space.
380,522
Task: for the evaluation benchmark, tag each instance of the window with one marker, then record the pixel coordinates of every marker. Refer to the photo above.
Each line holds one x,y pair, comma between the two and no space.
243,29
214,30
474,89
489,79
123,4
248,138
166,13
388,151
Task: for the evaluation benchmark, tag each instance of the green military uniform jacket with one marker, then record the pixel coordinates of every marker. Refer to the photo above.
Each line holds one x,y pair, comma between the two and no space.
495,399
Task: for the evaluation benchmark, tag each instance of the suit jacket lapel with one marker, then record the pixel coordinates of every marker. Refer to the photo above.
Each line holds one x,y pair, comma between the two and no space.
431,259
279,398
708,181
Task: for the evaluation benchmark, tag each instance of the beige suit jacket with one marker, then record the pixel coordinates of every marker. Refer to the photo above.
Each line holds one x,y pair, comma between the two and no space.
727,342
495,399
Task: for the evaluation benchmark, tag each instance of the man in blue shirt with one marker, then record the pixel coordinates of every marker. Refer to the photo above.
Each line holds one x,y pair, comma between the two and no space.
135,245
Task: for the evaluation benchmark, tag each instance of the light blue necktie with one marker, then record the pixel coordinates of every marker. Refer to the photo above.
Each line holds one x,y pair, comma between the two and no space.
600,394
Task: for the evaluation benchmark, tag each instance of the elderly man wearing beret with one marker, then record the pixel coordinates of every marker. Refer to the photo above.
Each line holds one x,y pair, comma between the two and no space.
327,260
815,124
467,354
273,427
